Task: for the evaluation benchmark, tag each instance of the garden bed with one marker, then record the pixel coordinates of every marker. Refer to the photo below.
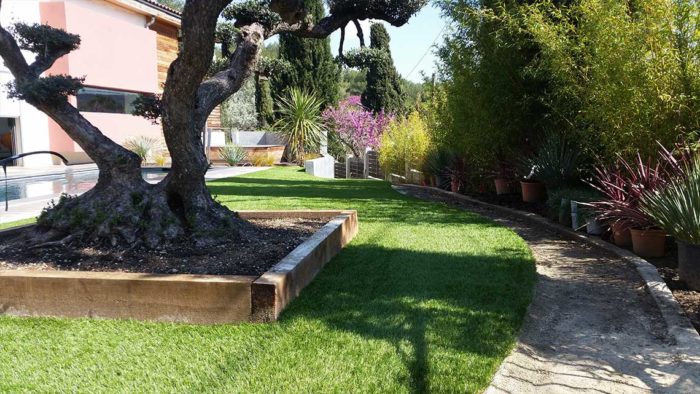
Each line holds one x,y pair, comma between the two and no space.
246,281
275,238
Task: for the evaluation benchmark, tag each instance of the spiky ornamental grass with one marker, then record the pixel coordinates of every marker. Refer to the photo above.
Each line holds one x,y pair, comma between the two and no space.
232,154
676,207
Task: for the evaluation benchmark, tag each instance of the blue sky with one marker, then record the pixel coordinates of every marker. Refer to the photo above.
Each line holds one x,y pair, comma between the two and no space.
409,43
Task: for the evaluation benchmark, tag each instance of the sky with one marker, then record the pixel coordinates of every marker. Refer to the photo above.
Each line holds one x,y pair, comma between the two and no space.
411,44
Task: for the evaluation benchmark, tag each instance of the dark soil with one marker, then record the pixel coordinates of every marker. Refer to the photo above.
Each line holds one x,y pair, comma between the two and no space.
689,299
275,239
514,201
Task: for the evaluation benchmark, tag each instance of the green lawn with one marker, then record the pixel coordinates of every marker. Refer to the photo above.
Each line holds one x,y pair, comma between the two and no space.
425,298
16,223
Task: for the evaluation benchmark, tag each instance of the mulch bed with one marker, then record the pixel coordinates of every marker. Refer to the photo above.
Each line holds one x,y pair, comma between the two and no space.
275,239
689,300
513,201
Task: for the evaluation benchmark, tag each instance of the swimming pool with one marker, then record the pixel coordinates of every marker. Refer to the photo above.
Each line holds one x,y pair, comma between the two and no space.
69,183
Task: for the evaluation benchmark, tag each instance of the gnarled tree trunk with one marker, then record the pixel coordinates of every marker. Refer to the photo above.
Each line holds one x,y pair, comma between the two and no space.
123,208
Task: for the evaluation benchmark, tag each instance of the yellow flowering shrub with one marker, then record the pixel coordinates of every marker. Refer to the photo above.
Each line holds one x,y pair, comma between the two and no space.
404,144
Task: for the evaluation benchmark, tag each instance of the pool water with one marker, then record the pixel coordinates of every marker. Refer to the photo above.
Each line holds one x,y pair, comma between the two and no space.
54,185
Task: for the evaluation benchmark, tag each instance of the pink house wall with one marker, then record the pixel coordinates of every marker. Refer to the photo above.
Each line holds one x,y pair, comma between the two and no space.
117,51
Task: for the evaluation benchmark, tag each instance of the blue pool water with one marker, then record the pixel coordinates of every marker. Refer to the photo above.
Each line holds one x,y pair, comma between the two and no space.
53,185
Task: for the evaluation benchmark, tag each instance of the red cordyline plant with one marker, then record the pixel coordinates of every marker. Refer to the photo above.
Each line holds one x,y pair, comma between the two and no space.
624,184
357,127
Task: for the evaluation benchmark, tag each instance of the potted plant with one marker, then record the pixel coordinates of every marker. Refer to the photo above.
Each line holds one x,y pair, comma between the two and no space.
503,185
504,175
532,189
456,170
435,167
676,208
623,187
555,165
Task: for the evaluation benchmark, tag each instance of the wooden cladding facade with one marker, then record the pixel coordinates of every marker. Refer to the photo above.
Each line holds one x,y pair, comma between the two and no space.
214,120
167,47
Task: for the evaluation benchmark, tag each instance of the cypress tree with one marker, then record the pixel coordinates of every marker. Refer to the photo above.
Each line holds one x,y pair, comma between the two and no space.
263,101
383,90
312,67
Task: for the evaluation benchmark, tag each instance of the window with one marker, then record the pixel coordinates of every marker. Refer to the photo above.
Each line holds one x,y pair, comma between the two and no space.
105,100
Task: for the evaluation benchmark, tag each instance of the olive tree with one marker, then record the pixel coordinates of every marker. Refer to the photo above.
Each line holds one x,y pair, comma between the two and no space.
122,208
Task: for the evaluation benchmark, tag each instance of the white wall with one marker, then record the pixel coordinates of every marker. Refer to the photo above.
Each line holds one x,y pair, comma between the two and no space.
33,126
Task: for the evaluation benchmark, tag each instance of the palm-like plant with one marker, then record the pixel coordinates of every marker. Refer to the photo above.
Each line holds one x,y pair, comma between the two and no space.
144,146
556,163
300,123
676,207
624,185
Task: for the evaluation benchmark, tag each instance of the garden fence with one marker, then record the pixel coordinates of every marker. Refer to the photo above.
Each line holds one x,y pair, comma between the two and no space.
355,167
372,168
340,170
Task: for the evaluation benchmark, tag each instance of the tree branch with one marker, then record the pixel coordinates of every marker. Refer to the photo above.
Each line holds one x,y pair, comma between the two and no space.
360,33
295,19
342,42
223,84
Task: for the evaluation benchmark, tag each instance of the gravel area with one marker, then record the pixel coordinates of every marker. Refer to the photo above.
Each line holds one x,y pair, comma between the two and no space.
275,239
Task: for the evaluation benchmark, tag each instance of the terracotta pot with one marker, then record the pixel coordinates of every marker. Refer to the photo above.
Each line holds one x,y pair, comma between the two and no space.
621,234
533,191
689,264
454,186
502,186
648,243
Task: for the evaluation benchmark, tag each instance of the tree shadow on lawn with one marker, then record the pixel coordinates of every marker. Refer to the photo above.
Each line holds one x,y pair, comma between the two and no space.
458,313
375,200
345,190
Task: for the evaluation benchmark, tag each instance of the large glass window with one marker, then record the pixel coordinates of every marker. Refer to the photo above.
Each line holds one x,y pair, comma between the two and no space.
105,100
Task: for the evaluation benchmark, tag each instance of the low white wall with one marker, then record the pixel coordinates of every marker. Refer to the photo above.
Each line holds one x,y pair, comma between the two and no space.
323,167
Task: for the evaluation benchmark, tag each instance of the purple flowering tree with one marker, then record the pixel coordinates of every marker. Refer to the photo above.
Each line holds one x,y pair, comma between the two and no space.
356,126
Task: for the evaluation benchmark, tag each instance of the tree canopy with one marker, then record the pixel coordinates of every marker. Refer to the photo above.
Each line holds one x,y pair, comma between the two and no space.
383,91
311,64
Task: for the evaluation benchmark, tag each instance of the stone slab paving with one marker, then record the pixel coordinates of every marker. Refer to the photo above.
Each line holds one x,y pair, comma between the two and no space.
591,327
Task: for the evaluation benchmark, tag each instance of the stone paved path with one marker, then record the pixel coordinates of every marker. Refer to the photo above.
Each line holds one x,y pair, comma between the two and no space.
591,327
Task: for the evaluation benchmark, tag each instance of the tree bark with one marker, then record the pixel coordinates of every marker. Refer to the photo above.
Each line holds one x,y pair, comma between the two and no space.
122,207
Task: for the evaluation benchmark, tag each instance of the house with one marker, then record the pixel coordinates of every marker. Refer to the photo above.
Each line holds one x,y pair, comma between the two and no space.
127,46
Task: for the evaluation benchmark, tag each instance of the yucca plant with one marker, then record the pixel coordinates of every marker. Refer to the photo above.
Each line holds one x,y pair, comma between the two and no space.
144,146
676,207
556,162
232,154
300,123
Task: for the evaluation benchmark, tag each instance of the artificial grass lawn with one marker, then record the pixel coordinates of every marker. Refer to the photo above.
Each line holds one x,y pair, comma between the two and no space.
17,223
425,298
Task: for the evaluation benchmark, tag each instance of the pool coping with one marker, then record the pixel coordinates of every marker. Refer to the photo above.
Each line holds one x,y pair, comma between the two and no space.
183,298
